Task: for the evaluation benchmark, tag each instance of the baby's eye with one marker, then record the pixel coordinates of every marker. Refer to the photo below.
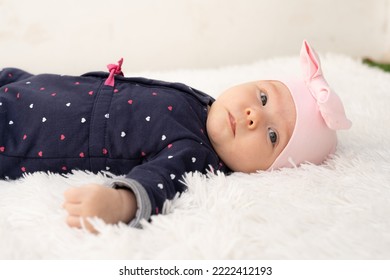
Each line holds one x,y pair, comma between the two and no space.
263,98
273,136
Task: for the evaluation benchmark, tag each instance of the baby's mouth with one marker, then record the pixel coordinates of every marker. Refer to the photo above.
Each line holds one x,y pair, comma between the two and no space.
232,124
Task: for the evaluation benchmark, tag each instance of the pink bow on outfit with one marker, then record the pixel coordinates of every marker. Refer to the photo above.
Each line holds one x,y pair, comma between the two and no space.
114,69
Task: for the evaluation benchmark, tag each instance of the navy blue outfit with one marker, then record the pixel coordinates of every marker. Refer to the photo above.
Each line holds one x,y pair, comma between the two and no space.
150,131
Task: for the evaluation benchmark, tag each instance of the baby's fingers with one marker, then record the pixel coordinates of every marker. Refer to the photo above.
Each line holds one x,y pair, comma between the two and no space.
74,221
78,222
72,208
73,195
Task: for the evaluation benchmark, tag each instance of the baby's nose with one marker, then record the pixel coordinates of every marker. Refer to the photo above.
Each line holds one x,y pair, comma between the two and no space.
252,118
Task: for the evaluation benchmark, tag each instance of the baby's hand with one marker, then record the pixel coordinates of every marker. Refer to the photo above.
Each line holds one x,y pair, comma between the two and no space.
111,205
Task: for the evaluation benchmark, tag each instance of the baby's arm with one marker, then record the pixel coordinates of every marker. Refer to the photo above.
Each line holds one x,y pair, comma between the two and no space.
111,205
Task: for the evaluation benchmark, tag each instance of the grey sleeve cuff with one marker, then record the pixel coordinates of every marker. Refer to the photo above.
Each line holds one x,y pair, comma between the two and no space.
144,206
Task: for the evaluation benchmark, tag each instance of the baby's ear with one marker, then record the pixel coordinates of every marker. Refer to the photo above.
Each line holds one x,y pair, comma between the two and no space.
310,62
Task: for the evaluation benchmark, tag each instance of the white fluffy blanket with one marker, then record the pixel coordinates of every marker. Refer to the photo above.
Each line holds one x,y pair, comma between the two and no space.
339,210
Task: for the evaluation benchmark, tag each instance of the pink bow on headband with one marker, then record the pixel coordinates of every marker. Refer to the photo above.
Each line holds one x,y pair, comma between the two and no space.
329,104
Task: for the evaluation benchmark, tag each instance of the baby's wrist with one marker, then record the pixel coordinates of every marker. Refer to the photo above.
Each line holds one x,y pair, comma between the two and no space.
128,205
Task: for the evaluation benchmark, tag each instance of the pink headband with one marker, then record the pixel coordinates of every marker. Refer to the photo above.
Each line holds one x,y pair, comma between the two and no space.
319,113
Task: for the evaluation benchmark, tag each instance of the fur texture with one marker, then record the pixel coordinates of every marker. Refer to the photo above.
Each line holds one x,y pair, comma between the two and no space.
339,210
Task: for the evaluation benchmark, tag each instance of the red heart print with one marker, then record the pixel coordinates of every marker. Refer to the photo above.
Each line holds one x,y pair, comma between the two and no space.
62,137
81,155
40,153
105,151
170,108
2,149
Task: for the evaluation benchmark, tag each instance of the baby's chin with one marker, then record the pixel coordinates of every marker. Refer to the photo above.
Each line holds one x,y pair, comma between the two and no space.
243,166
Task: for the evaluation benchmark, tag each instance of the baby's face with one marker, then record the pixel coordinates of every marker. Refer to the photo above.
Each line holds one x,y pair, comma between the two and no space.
250,124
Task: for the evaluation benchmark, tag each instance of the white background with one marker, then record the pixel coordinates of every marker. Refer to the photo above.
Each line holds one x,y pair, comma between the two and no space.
75,36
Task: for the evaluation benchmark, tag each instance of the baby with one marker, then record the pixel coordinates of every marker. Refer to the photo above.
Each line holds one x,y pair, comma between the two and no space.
154,132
